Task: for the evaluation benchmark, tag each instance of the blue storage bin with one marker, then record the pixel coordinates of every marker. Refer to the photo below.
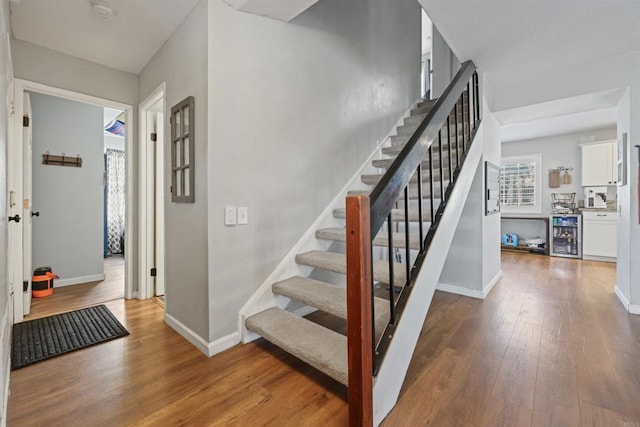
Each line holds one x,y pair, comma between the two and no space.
510,239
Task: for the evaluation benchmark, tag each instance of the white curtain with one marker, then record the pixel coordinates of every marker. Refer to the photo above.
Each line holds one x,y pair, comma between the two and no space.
115,201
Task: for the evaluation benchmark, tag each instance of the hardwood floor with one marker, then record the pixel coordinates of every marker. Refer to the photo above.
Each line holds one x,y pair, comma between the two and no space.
67,298
551,345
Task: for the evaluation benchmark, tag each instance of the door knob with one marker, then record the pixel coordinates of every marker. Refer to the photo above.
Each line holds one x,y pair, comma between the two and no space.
15,218
35,213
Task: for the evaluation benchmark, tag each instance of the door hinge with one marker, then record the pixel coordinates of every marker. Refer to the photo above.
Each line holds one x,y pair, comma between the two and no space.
12,109
154,136
25,121
154,272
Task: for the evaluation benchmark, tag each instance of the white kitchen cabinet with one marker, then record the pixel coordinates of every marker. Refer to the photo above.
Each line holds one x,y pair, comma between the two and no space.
599,164
599,235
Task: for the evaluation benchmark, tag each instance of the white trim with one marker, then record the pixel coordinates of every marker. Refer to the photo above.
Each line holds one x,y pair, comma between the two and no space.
26,85
224,343
460,290
631,308
468,292
487,289
599,258
146,239
208,348
263,298
187,333
58,283
623,299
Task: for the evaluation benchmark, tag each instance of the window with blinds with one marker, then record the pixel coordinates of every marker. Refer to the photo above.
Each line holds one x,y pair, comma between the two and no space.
519,184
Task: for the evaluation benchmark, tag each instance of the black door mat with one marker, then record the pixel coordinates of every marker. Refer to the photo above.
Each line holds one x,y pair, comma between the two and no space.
42,339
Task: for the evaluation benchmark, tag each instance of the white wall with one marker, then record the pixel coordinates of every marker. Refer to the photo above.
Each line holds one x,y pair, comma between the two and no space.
444,63
295,109
182,64
68,234
476,243
610,73
39,64
491,265
6,304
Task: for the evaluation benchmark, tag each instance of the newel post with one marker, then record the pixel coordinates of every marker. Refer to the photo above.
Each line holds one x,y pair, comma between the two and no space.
359,316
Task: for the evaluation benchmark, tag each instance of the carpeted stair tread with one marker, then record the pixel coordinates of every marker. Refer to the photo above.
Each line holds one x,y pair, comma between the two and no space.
413,191
316,345
409,129
396,214
329,298
337,263
427,103
373,179
394,150
385,163
339,235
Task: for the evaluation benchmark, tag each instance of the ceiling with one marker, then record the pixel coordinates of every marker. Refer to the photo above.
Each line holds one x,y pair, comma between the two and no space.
515,40
126,41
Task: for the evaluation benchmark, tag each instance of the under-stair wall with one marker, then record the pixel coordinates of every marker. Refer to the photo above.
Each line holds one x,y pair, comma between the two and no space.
294,111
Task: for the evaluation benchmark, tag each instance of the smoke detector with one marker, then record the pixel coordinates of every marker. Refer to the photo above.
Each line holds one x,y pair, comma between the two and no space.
102,9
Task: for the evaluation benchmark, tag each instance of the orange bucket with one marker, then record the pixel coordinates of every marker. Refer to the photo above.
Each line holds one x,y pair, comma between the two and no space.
42,285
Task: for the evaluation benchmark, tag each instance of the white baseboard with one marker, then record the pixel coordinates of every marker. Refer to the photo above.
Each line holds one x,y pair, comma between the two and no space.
631,308
468,292
224,343
623,299
58,283
460,290
492,283
599,258
208,348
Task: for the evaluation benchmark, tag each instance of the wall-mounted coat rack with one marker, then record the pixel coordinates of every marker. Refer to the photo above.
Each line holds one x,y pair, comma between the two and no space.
62,160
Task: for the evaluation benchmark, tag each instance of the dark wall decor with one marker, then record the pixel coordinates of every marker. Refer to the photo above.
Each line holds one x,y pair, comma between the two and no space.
182,151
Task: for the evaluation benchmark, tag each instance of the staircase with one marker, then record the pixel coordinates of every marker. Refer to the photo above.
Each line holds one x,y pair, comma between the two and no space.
421,199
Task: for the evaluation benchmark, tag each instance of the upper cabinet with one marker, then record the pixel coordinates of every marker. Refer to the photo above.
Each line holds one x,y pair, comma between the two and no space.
599,164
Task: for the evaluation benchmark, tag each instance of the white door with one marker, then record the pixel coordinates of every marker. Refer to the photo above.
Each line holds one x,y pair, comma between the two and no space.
151,192
15,211
26,204
159,204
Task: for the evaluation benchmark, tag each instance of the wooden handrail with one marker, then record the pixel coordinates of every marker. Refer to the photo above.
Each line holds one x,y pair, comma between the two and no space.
384,195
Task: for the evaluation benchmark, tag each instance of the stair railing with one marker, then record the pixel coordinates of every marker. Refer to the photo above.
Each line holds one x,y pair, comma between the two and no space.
459,110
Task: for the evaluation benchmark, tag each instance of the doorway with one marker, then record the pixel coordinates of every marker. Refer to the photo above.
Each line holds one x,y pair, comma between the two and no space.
151,206
21,188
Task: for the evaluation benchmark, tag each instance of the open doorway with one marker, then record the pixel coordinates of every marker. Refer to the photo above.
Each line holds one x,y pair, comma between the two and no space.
70,210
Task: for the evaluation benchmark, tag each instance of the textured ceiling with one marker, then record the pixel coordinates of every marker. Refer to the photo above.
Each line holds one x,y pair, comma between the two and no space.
126,42
515,40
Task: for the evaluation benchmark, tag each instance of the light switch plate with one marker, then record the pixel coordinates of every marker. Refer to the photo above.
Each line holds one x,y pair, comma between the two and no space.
243,215
230,214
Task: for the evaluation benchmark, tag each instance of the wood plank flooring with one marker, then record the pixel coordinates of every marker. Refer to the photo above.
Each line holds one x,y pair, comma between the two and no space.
68,298
550,346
